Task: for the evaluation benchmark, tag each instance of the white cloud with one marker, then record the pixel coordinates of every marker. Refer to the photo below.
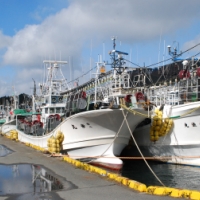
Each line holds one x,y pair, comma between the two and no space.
193,43
65,33
21,81
5,41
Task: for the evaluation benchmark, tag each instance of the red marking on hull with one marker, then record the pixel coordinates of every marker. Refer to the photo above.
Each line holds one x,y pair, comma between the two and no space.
108,165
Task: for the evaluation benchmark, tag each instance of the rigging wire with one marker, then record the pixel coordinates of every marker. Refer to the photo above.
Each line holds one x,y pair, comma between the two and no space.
168,64
162,75
141,66
168,58
148,75
171,63
82,75
132,62
177,56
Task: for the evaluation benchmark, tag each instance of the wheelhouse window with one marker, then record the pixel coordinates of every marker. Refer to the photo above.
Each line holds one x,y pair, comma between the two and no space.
60,99
51,110
62,110
46,110
58,110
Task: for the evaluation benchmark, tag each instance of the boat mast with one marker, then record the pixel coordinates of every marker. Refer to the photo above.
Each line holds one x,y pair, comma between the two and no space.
54,84
99,65
117,63
15,99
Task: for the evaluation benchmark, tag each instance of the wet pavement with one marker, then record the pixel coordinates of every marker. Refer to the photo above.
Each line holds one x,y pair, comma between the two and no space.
36,196
74,183
28,178
4,151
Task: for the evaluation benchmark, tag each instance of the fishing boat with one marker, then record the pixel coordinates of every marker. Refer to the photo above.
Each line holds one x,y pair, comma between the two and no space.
2,112
2,115
93,121
97,126
33,122
172,135
7,112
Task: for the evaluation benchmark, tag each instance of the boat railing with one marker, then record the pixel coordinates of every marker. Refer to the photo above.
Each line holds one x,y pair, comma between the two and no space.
184,91
138,79
121,80
2,112
76,102
120,84
29,128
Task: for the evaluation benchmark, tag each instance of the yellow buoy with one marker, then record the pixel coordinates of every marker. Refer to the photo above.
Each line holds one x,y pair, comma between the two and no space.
167,120
156,111
152,138
151,132
170,121
154,123
159,122
156,133
156,137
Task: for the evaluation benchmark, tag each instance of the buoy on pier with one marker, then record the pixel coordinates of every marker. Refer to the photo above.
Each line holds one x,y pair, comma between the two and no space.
55,143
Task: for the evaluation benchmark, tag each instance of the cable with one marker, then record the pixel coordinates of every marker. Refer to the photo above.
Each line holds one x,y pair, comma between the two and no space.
146,66
169,58
140,150
161,75
188,49
132,62
143,67
82,75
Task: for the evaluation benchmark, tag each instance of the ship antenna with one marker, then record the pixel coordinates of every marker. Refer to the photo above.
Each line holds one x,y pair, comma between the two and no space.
117,63
114,45
175,52
34,88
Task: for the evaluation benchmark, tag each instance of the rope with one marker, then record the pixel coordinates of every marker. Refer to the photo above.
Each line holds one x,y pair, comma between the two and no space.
183,115
133,111
189,112
158,158
145,115
141,152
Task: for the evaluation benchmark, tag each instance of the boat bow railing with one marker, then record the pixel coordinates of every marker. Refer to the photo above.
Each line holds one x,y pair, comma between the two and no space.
184,91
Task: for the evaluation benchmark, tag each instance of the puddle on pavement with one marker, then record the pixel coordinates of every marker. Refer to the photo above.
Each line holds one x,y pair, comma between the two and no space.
4,151
36,196
29,181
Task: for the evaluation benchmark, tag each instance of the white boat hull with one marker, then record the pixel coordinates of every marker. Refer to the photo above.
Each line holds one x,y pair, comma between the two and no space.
8,126
97,135
181,145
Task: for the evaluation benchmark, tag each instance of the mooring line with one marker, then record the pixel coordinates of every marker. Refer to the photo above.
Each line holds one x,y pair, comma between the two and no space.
141,152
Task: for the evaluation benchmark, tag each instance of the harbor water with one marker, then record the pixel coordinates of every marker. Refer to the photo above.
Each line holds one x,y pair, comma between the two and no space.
171,175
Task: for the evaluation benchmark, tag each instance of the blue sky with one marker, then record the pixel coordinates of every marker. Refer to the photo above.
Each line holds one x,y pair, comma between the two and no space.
80,30
16,14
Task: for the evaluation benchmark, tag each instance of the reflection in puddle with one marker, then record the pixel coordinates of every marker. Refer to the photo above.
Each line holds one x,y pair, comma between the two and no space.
4,151
27,178
36,196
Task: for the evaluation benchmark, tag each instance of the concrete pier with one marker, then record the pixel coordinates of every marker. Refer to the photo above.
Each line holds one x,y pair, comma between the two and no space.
85,185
